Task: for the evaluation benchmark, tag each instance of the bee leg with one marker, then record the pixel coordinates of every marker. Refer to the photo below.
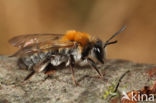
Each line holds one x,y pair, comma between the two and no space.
39,67
93,65
29,76
48,72
73,76
26,78
49,69
72,64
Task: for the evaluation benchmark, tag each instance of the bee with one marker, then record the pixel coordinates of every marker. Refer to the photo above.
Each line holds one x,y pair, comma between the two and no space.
37,51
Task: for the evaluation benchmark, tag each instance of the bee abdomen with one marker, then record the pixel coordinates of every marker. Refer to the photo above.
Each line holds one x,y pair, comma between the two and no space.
25,63
29,61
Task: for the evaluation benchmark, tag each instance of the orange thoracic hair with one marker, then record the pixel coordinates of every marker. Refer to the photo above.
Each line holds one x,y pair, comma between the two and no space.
80,37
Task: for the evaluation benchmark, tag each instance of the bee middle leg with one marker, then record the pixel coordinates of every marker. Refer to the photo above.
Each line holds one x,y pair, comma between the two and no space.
93,65
48,71
72,65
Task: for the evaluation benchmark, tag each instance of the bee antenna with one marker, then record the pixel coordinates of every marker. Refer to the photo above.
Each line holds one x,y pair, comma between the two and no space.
107,42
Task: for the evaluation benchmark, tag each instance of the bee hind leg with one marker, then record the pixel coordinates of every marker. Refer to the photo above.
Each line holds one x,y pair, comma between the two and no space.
29,76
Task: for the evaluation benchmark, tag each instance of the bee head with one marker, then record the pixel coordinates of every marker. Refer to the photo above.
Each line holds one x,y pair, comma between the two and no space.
98,51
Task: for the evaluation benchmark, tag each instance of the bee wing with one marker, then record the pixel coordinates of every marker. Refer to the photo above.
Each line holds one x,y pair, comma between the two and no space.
29,39
43,47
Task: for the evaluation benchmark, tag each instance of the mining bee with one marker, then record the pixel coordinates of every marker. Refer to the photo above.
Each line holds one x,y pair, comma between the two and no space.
37,51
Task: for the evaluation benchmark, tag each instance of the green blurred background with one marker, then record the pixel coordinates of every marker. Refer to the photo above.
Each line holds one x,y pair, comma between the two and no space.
101,18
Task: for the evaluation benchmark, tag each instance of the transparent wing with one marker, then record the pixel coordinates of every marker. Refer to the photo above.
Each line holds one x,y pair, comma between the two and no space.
29,39
43,47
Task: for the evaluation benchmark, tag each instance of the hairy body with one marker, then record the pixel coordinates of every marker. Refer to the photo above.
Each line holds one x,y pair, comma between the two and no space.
37,51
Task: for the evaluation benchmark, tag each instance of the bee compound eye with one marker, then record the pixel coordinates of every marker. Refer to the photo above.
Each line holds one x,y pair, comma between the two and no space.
99,54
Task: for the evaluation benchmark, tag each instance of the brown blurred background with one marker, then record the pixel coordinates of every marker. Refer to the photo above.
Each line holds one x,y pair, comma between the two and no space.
101,18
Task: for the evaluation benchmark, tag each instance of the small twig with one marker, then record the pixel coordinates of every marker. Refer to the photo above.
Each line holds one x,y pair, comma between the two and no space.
118,83
116,88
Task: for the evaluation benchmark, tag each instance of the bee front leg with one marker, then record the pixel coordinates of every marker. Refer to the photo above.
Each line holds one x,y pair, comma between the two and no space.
93,65
72,64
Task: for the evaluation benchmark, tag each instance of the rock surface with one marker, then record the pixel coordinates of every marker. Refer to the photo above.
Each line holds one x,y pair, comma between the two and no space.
60,89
